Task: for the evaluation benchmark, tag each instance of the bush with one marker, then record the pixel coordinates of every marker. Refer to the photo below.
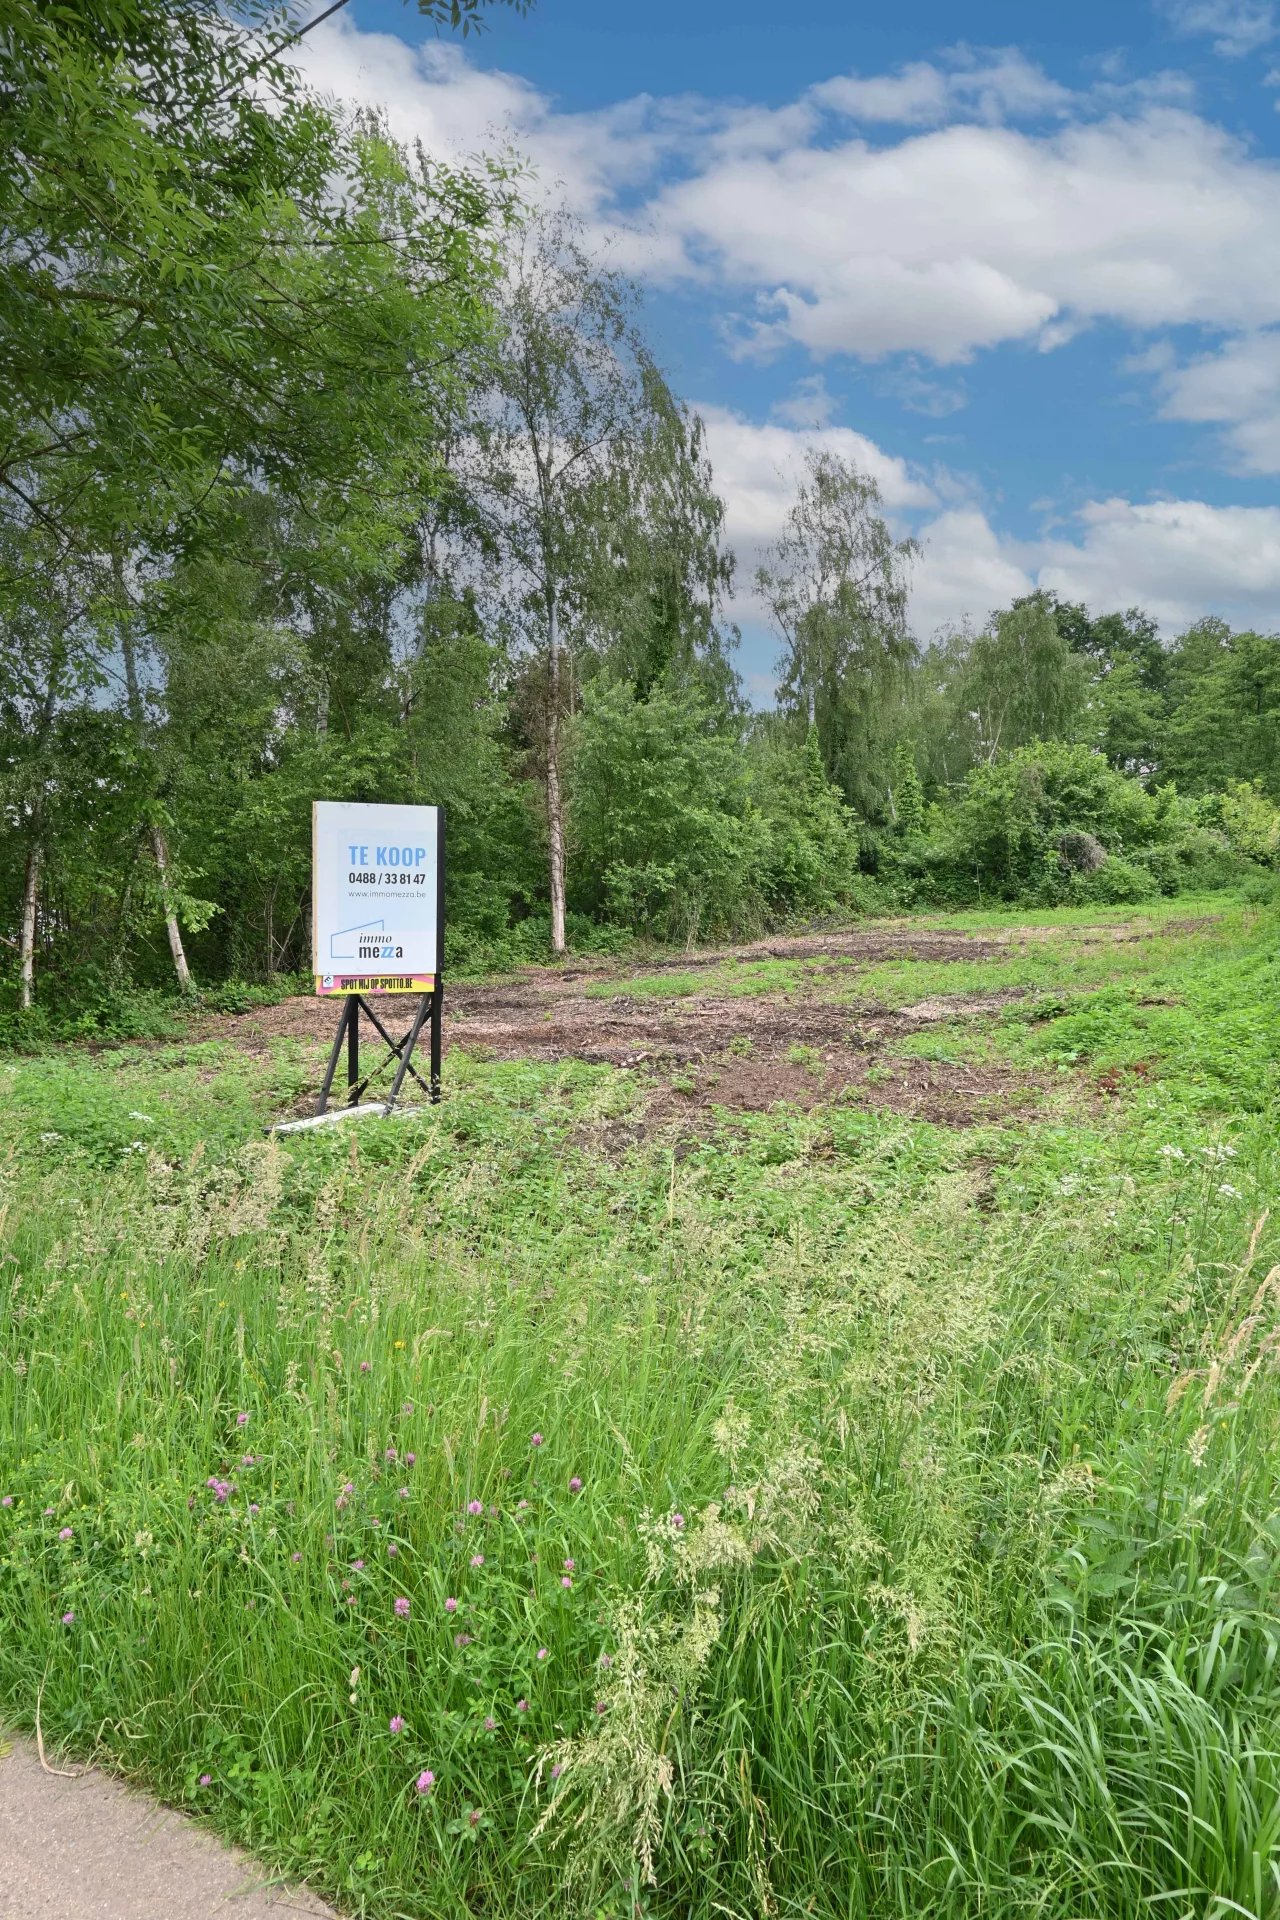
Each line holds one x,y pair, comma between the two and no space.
677,833
1194,860
1116,883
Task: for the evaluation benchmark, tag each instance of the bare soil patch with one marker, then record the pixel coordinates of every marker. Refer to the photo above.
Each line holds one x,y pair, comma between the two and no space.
708,1049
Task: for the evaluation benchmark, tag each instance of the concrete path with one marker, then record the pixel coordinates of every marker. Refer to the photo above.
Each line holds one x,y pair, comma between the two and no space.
92,1849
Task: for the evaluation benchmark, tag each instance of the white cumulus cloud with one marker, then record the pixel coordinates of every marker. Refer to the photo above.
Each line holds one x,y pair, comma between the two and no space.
1236,388
1177,558
949,241
1237,27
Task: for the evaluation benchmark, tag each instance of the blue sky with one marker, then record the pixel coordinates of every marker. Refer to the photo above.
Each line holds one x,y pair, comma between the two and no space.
1023,264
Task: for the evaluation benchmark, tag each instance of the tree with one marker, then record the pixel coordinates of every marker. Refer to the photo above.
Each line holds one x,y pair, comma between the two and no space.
659,572
186,302
1020,681
575,395
1224,709
836,585
906,795
1128,673
194,318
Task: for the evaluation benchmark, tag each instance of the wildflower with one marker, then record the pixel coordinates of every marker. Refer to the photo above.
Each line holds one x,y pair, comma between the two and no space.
254,1507
451,1605
48,1513
399,1345
366,1367
404,1493
297,1559
474,1816
1171,1153
426,1780
522,1706
1228,1191
65,1534
477,1559
410,1459
392,1548
7,1501
489,1723
391,1453
556,1771
461,1640
575,1485
395,1724
242,1419
566,1579
402,1608
357,1566
246,1460
569,1565
68,1617
522,1506
535,1440
542,1653
475,1506
677,1521
606,1661
206,1779
600,1707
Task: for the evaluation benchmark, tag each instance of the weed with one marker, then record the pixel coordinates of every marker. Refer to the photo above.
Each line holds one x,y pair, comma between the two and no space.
830,1514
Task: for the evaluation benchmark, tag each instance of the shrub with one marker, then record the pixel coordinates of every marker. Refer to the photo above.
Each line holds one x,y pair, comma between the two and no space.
1116,883
677,833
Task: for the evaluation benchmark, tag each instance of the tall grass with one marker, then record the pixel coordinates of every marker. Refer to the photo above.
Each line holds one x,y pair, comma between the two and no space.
844,1517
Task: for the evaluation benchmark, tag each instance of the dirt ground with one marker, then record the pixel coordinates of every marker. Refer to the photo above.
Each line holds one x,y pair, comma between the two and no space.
820,1042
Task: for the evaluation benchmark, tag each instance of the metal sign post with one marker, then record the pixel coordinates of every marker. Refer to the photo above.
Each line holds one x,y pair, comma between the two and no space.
378,890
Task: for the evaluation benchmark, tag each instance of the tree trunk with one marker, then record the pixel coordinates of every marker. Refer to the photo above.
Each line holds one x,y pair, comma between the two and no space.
27,943
155,835
555,801
180,967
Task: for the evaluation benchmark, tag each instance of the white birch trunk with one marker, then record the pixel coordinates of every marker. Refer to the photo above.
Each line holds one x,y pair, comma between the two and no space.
27,940
555,800
161,853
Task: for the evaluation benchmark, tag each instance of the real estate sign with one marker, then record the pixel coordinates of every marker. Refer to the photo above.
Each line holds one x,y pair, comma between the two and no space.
377,898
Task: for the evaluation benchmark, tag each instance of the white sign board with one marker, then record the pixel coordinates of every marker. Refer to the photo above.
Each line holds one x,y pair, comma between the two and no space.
377,898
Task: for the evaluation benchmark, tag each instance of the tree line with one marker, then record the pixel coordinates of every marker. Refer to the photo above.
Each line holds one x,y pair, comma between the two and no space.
328,469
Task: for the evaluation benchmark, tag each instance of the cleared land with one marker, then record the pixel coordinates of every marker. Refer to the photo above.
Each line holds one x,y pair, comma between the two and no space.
795,1432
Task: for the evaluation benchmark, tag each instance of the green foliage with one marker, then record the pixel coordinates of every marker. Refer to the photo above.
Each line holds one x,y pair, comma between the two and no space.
381,495
1224,718
678,834
1010,815
915,1486
908,794
835,584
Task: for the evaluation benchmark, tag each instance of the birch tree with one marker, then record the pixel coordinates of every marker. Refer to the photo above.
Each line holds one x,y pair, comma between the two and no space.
836,585
570,399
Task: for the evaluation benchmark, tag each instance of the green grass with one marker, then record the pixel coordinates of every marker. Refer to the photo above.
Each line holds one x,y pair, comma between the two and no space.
926,1547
